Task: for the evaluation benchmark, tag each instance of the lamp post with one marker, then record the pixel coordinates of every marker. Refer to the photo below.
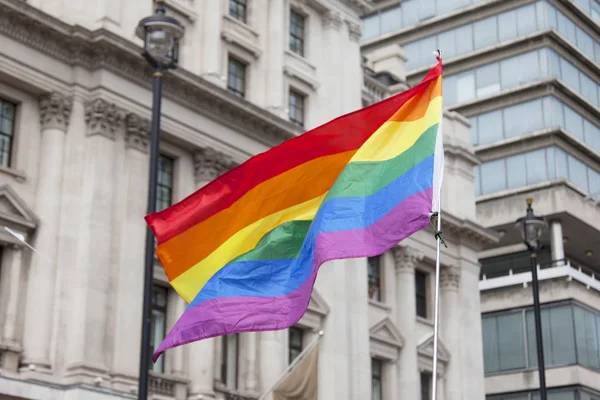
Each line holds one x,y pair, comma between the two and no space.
160,34
531,228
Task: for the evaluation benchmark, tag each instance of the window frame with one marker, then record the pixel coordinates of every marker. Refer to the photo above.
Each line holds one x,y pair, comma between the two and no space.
237,6
233,60
374,280
162,203
159,366
9,136
421,296
293,93
377,377
295,330
297,40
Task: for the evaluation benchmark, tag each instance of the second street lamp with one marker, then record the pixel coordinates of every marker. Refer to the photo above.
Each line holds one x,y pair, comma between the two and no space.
161,35
531,228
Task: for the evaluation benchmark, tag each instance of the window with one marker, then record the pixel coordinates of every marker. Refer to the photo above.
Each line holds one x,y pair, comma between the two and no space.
7,123
571,335
296,106
294,343
237,9
236,77
297,32
164,188
425,386
158,324
229,361
421,292
376,379
374,273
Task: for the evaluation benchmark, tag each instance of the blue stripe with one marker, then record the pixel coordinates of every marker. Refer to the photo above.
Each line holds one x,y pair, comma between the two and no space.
280,277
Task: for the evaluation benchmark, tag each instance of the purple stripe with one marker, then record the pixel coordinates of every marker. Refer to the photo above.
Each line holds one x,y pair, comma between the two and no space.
227,315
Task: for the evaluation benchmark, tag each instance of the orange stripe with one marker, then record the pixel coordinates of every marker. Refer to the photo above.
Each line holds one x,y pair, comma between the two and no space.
415,108
302,183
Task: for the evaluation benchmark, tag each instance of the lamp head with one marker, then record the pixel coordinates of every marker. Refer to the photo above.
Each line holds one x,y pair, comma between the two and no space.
531,227
161,35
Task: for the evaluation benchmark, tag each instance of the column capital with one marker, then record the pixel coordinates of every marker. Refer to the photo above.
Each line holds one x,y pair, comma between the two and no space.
354,31
332,19
450,277
55,111
210,163
102,118
137,130
406,258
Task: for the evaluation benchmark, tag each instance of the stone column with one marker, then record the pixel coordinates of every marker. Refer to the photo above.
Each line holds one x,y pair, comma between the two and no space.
406,310
90,285
212,19
208,165
251,368
333,79
55,111
450,329
557,246
276,46
272,358
353,68
131,234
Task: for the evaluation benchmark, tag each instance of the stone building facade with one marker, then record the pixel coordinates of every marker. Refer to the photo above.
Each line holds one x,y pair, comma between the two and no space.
75,105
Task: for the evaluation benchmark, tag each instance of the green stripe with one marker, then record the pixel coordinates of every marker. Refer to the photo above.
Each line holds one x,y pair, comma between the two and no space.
281,243
364,178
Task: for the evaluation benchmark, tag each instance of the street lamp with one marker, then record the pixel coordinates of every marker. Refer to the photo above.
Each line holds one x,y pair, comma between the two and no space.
531,228
161,35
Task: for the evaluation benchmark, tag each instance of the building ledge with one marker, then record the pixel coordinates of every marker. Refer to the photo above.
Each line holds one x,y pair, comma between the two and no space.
564,270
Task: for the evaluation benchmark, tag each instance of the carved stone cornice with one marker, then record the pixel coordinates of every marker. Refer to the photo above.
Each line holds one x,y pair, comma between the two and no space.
137,131
55,111
101,49
102,118
332,19
450,277
406,259
210,164
354,31
467,232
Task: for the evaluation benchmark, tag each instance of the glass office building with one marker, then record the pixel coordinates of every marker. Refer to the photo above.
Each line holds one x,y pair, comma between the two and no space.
527,76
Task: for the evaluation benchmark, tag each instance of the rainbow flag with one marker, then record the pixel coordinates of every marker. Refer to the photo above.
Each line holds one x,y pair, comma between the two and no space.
244,250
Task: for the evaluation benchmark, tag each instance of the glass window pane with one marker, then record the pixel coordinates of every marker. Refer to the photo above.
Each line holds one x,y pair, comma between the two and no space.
513,117
554,62
581,335
536,166
426,9
585,43
487,79
485,32
464,39
567,28
490,344
577,173
533,116
493,176
526,22
370,27
589,89
551,163
390,19
474,131
410,12
573,123
594,181
447,41
515,165
449,89
562,166
507,25
511,341
569,74
562,335
592,135
465,86
490,125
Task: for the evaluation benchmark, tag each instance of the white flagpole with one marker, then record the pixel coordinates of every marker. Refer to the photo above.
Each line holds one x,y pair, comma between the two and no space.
436,307
437,53
303,353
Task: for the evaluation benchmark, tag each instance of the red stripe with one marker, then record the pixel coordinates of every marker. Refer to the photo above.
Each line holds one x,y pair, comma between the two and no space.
342,134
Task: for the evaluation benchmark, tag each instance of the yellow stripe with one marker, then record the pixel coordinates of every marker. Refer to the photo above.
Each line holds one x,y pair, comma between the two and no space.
191,281
394,138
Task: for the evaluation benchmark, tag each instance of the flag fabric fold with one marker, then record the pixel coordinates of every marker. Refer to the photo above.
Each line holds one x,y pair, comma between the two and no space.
244,251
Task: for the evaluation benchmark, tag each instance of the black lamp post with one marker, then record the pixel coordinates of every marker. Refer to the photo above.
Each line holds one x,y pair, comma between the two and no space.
531,228
160,34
